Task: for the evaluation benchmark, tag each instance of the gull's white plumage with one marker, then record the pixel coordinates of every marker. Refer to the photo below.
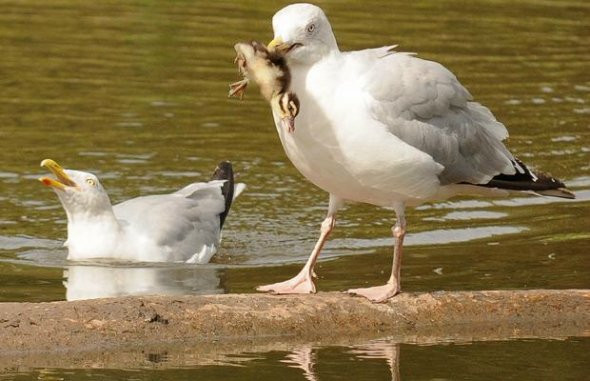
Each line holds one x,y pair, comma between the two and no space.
184,226
380,127
371,113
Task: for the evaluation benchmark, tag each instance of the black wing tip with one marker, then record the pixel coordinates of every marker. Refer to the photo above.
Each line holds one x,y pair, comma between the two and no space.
225,171
526,180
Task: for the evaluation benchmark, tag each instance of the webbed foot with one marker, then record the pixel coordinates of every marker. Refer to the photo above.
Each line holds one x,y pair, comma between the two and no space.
237,89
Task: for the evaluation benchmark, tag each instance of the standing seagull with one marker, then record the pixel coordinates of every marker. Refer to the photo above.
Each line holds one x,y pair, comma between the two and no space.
389,129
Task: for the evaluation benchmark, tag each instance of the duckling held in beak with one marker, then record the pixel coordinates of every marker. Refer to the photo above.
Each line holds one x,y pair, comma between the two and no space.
269,70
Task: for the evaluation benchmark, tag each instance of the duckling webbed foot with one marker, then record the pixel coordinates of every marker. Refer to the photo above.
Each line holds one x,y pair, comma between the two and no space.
288,104
237,89
288,123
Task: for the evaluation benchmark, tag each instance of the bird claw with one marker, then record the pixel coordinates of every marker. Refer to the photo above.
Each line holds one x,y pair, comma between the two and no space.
377,294
237,89
302,283
288,123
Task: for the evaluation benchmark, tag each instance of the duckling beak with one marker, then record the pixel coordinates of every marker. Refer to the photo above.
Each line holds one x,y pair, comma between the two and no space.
61,181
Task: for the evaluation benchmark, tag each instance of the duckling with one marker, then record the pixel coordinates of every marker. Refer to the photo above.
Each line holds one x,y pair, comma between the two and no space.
270,72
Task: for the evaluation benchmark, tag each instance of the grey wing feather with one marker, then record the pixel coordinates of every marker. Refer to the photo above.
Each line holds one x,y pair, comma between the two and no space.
183,222
423,104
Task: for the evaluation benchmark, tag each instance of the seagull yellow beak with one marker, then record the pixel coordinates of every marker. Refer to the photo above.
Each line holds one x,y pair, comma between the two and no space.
274,43
61,181
282,47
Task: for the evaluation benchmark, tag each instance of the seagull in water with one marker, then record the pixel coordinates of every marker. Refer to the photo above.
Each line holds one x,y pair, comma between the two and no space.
184,226
386,128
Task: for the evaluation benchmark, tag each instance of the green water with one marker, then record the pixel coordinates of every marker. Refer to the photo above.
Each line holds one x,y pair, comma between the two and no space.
372,360
135,91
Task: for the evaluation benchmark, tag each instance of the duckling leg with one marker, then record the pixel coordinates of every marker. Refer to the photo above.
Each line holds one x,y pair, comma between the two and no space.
237,89
288,104
288,123
302,283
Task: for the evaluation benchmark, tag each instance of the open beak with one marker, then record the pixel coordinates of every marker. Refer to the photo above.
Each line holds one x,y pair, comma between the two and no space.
278,45
61,181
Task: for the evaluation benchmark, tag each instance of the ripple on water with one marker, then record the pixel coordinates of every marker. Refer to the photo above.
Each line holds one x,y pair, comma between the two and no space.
547,89
163,104
8,175
22,242
190,174
468,215
565,138
432,237
129,124
92,153
582,195
584,110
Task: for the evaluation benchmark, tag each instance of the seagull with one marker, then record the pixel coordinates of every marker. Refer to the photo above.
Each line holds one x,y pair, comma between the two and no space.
184,226
387,128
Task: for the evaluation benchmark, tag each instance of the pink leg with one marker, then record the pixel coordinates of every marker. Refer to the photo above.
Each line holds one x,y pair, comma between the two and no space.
302,283
380,294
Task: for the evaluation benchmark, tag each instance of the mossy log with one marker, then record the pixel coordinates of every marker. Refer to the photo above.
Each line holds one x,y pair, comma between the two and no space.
99,324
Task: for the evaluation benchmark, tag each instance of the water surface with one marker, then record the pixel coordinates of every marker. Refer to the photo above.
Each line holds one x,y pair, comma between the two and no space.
381,359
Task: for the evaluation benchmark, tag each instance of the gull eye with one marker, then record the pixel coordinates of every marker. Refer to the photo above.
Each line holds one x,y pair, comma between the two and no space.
310,28
90,182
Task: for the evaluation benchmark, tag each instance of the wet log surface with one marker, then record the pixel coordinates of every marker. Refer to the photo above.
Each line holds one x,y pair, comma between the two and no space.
237,321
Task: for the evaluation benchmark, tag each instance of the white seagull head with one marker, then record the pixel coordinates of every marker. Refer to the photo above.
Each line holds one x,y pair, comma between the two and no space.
303,33
80,193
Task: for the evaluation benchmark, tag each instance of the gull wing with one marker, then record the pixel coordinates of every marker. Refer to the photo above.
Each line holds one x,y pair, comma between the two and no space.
184,224
424,105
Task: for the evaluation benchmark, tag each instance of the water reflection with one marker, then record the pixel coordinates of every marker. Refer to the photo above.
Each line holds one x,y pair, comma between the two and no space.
91,282
433,237
305,357
524,359
387,350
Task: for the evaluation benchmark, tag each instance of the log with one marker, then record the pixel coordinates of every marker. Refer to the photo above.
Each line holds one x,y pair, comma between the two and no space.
258,319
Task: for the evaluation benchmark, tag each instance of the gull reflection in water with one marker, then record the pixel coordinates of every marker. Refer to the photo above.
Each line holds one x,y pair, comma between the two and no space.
91,282
305,358
380,349
302,357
